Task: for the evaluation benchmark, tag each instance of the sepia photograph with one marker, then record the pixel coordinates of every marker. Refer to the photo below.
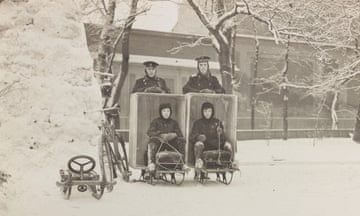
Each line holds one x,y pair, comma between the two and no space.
179,107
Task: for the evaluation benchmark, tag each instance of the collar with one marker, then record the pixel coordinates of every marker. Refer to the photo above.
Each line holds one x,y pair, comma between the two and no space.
204,76
146,77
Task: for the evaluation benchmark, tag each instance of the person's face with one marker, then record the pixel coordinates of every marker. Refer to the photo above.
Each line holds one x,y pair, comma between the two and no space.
165,113
207,113
151,71
203,67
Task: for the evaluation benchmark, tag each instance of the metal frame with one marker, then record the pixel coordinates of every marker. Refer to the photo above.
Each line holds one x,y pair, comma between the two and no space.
112,163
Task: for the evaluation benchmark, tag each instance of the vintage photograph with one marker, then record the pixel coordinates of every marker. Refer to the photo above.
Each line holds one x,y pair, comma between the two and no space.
179,107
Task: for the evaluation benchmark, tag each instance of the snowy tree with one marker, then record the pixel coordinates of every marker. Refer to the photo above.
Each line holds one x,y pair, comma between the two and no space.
331,28
218,17
111,83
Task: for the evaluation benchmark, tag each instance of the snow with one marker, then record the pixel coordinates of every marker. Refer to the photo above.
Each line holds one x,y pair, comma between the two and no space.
320,180
43,56
162,16
158,16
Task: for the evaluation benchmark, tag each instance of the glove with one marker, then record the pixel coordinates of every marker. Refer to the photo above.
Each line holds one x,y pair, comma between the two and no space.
154,90
207,91
181,139
201,137
219,130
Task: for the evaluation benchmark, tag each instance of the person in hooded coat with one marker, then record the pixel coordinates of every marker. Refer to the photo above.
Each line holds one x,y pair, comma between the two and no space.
166,128
203,81
150,83
207,134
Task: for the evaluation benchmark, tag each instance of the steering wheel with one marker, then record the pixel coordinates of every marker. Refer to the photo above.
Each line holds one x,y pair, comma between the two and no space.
81,161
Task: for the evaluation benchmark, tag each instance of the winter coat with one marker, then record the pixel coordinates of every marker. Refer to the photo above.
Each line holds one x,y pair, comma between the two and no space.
198,82
208,128
160,125
147,82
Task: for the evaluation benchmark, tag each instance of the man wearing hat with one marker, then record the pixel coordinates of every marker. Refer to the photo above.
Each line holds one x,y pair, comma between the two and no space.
150,82
203,81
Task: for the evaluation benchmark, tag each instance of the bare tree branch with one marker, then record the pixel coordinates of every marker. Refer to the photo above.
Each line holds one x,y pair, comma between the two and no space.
205,21
98,8
197,42
226,16
104,6
120,79
5,90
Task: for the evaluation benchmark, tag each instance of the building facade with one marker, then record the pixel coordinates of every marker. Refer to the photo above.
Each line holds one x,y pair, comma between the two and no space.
176,68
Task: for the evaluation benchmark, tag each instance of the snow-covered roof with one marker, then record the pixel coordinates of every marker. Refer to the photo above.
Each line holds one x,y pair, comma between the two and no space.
162,16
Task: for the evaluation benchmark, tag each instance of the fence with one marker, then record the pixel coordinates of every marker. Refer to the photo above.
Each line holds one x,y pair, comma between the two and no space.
299,127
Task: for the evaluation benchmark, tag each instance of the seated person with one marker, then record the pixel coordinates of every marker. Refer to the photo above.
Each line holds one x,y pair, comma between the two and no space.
207,133
150,82
203,81
166,128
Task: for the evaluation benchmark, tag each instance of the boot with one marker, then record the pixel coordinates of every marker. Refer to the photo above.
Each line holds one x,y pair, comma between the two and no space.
199,164
151,157
198,149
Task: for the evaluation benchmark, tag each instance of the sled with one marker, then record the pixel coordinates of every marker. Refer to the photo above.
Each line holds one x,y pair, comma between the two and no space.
217,162
113,162
169,165
81,174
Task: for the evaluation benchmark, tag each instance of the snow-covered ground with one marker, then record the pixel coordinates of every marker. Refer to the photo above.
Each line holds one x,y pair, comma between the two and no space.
46,67
296,177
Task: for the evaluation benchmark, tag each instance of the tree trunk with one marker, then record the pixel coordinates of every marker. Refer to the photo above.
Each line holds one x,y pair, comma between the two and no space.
285,114
225,50
225,68
223,33
356,136
334,117
253,79
102,62
121,77
285,91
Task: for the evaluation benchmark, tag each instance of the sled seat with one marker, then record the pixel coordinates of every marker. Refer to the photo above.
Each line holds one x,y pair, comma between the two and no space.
211,159
169,160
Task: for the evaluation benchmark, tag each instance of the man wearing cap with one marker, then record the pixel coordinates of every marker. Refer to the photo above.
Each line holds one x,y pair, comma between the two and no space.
150,82
203,81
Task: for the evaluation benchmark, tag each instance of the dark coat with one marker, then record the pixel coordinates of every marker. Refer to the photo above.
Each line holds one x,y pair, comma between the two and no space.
208,127
147,82
160,125
198,82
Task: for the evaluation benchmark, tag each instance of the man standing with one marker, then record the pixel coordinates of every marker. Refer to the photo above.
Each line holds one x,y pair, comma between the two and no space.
150,82
203,81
